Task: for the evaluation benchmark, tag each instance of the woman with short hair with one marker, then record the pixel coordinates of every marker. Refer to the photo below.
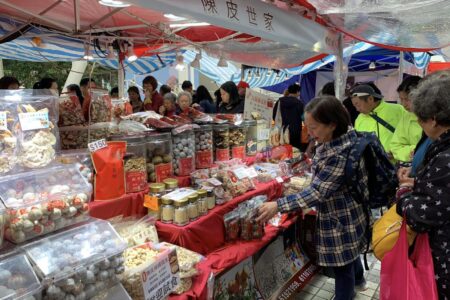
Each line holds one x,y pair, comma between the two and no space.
425,199
341,221
184,101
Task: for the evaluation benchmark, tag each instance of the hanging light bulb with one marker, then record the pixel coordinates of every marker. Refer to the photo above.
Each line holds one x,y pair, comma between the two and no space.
130,54
196,62
372,66
180,62
222,63
87,53
257,75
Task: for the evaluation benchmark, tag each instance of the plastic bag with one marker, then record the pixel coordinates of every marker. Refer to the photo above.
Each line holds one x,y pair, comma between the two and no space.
121,108
8,141
109,169
137,231
130,127
100,108
232,226
405,277
187,260
70,111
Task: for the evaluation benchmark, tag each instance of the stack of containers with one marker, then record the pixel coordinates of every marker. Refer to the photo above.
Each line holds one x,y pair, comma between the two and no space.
221,142
183,140
203,147
79,263
237,141
159,156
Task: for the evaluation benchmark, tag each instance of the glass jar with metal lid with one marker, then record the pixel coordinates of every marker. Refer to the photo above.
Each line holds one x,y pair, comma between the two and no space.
211,199
167,210
193,207
251,141
237,141
203,147
153,202
181,216
171,184
202,204
221,142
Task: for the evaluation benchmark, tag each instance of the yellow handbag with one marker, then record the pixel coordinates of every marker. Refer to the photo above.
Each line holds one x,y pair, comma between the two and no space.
385,232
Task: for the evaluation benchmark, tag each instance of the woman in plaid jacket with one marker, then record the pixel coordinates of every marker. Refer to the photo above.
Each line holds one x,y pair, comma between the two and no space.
341,223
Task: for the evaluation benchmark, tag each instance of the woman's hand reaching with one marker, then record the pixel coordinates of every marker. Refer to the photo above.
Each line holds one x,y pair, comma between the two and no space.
267,211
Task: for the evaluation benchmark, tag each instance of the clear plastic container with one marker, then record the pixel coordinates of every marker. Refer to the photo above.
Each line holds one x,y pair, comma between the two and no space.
251,142
78,137
17,278
183,152
221,142
117,292
159,156
203,147
153,201
82,160
181,217
237,141
202,204
263,133
134,161
167,210
42,201
81,261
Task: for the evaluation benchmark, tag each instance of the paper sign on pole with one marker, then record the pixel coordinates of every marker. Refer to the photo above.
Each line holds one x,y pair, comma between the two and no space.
257,102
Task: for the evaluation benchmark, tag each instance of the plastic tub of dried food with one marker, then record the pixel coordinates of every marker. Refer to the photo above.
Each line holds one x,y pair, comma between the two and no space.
42,201
251,141
84,260
237,141
159,156
221,142
183,151
203,147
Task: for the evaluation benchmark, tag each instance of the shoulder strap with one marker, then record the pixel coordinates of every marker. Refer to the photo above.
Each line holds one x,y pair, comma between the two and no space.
383,122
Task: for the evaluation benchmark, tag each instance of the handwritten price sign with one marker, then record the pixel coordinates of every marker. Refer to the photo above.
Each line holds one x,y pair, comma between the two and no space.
97,145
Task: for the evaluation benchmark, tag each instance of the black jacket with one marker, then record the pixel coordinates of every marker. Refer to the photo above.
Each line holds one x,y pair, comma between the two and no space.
427,208
291,112
238,108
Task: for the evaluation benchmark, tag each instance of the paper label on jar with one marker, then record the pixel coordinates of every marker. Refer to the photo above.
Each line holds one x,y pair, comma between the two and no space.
161,277
135,181
163,171
151,202
203,159
3,121
238,152
222,154
34,120
263,134
186,166
97,145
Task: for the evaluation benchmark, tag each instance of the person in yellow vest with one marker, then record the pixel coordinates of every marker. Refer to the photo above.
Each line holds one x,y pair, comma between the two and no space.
376,115
408,132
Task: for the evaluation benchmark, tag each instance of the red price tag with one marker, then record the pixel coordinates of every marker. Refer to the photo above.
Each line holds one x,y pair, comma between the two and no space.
238,152
163,171
135,181
203,159
222,154
186,166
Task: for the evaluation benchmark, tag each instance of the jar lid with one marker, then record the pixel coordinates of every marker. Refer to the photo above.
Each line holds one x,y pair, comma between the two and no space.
221,127
202,193
203,128
249,122
157,187
193,198
166,200
171,183
181,203
155,136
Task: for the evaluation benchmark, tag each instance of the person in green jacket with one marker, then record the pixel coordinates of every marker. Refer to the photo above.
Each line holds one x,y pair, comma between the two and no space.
408,131
376,115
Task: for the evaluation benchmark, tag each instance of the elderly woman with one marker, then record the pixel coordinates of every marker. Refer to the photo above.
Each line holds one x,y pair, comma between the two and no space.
184,102
169,107
425,200
341,223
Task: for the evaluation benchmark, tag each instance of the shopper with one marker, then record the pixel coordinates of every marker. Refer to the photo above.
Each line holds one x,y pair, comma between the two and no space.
328,89
86,84
75,88
218,98
114,93
341,221
135,99
291,109
425,200
9,83
376,115
152,100
408,132
242,89
187,86
205,101
170,107
231,104
184,102
50,84
164,89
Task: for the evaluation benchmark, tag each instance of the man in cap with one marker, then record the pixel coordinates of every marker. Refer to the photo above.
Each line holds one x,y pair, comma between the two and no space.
376,115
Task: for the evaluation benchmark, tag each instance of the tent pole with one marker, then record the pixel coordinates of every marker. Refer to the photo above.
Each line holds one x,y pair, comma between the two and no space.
340,79
2,71
121,77
76,73
401,67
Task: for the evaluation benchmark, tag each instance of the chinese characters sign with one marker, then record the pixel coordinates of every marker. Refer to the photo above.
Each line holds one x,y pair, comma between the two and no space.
257,102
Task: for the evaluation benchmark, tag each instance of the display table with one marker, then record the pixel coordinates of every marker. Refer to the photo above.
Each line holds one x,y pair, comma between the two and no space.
207,234
127,205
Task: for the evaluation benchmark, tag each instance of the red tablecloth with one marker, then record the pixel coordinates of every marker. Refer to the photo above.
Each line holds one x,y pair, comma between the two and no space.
227,257
208,233
127,205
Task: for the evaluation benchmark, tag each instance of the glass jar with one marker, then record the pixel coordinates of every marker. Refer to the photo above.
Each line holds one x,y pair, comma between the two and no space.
193,208
221,142
153,203
167,210
202,204
251,141
203,147
159,156
183,152
134,162
211,199
181,216
263,134
237,141
171,184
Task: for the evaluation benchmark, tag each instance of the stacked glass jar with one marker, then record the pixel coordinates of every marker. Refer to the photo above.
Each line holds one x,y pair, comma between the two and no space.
203,147
237,141
183,152
159,156
221,142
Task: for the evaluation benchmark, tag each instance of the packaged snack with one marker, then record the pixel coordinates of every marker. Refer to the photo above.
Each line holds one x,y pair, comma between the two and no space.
17,278
158,124
232,226
183,150
296,184
78,263
42,201
137,231
121,108
187,260
109,171
100,109
70,111
128,127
